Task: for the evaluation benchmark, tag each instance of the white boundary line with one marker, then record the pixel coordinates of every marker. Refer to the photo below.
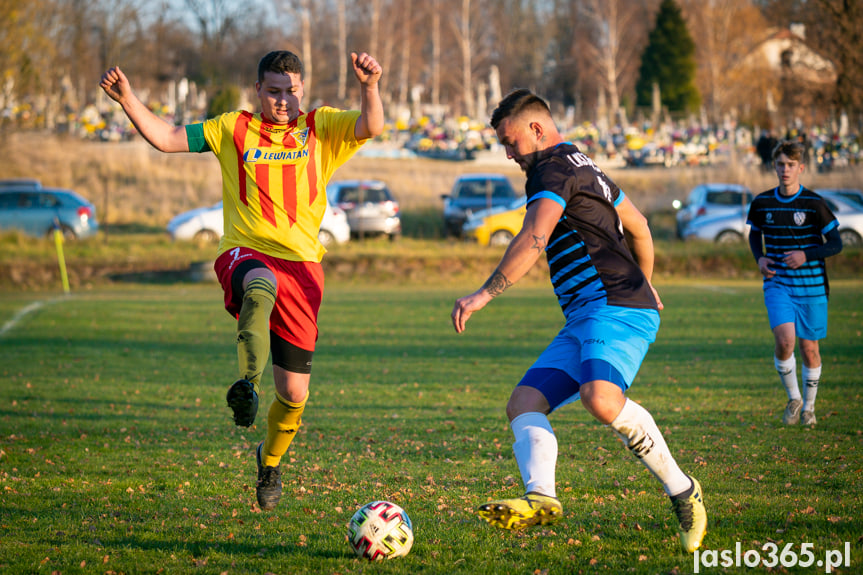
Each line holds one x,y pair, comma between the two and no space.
9,325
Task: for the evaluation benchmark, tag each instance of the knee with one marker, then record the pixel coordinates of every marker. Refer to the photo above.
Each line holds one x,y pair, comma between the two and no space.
526,399
603,400
263,273
811,353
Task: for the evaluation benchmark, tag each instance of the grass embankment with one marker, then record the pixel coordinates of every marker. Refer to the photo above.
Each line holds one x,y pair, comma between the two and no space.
31,264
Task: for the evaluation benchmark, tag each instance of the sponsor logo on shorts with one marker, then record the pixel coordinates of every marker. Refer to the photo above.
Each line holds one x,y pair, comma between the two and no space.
236,257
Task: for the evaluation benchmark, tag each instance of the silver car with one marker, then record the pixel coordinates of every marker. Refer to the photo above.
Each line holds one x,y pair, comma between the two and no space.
369,205
206,225
714,199
732,228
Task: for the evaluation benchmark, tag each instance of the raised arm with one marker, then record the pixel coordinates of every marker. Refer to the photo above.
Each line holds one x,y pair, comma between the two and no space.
635,223
159,133
520,256
368,73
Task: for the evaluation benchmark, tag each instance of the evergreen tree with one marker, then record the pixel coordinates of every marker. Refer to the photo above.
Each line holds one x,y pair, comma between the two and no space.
669,60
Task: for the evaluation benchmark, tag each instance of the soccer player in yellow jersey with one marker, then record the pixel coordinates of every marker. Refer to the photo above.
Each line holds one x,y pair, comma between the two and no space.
275,167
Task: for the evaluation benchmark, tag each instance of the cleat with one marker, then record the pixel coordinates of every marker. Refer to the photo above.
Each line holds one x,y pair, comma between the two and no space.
532,509
690,512
792,412
243,399
268,489
808,418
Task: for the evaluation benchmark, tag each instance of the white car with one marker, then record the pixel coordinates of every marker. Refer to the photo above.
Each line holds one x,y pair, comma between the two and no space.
732,228
206,225
708,200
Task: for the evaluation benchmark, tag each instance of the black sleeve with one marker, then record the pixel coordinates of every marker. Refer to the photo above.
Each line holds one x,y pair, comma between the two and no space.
755,243
831,247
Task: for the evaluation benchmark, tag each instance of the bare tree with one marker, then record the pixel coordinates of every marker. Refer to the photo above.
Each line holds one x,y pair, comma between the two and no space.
341,17
404,65
727,32
614,47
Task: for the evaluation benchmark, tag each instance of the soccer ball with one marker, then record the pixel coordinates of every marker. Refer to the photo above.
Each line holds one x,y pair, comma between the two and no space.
380,530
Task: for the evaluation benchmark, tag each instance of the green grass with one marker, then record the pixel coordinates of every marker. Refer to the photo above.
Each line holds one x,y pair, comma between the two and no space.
117,454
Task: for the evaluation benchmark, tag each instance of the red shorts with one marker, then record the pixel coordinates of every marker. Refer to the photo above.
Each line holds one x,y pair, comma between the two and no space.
301,287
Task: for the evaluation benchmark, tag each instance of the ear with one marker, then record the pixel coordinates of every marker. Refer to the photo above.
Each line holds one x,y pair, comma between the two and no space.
537,129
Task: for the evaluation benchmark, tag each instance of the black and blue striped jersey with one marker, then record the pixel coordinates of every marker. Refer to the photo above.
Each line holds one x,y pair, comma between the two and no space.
588,258
789,223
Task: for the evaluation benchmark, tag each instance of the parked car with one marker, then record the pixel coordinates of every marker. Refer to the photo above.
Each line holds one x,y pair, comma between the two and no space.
37,211
715,199
722,229
850,216
496,226
473,192
206,225
732,227
369,205
855,196
20,183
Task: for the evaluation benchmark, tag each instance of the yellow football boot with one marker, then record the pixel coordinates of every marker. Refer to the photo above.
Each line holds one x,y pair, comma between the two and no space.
692,516
531,509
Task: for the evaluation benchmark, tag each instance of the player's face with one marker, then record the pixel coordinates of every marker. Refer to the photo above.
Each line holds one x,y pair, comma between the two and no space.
280,96
519,140
788,171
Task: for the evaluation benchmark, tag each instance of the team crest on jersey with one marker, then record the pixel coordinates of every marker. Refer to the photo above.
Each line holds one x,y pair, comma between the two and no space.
769,217
799,218
301,136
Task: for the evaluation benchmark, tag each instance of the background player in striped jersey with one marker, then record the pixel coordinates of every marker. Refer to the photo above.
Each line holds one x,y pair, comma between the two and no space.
788,225
275,167
577,216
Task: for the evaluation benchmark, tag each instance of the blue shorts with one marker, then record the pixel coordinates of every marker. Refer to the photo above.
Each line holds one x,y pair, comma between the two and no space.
810,320
602,343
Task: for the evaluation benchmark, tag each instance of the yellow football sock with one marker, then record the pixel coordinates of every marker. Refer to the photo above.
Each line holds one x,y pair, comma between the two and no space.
253,329
283,421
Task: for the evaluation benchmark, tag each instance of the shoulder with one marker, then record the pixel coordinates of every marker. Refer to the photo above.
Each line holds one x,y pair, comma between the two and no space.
810,195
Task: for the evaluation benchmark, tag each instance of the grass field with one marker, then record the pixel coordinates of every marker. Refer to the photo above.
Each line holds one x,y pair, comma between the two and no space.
117,454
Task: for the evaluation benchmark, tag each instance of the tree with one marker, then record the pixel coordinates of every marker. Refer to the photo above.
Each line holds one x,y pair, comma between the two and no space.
839,34
728,76
614,46
669,61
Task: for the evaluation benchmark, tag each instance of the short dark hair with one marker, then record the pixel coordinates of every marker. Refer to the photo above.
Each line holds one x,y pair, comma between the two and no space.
794,150
280,62
515,103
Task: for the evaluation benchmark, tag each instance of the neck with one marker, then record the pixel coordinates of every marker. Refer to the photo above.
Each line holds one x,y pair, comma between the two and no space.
789,191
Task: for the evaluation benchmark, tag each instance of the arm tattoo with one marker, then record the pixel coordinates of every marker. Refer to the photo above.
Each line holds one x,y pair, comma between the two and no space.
539,243
496,284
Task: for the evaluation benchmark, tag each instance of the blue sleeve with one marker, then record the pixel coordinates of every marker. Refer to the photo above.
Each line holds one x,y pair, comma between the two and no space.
550,196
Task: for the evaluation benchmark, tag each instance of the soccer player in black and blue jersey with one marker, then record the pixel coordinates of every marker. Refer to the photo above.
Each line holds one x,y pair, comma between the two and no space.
577,216
792,231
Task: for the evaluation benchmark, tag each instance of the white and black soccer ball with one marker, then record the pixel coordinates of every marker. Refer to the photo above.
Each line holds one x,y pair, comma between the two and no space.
380,530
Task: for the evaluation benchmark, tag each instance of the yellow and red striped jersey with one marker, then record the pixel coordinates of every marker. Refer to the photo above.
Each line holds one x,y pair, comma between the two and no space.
274,177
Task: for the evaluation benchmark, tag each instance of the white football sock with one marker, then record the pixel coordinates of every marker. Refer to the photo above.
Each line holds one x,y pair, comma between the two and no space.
787,369
535,450
811,377
635,426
